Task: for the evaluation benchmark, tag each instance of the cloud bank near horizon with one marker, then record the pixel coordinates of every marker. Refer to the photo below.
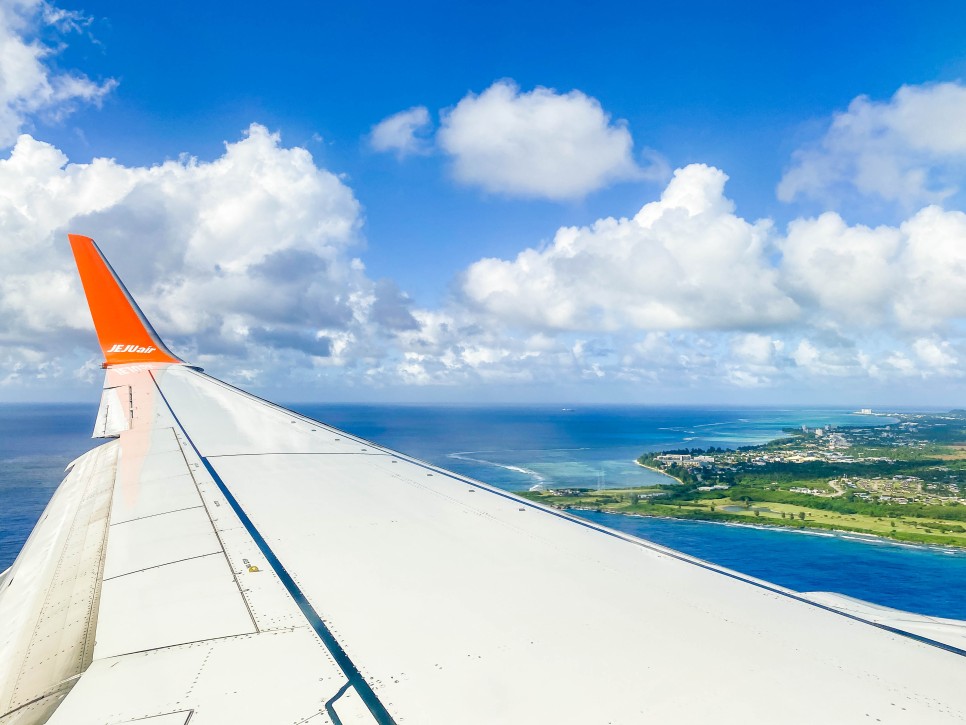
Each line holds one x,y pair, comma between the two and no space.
249,264
689,290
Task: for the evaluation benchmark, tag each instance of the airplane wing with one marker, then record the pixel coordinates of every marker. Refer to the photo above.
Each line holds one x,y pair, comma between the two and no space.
220,559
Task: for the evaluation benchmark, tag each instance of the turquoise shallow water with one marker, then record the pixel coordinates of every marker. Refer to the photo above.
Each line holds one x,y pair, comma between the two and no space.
518,447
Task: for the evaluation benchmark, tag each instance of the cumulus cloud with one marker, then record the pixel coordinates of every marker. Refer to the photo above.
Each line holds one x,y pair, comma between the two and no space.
818,359
910,277
910,149
689,262
29,87
539,144
404,133
935,354
756,349
449,347
715,296
249,264
685,261
847,272
932,269
720,298
237,258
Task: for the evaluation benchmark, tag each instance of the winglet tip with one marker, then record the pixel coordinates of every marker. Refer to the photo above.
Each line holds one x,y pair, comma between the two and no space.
124,333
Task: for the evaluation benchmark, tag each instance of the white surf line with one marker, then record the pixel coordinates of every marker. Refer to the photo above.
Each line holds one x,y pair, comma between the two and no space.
457,454
517,469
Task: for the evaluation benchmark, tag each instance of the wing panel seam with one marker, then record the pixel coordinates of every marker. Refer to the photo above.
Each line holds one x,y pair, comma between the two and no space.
352,673
204,505
167,563
152,516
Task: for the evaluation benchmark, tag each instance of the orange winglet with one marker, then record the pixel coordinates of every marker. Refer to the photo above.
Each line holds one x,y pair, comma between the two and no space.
124,333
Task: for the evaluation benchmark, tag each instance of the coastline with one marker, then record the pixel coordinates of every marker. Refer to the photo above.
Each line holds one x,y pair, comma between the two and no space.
807,530
658,470
748,479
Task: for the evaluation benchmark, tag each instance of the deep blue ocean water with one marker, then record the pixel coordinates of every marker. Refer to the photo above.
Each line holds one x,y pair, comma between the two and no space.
519,447
36,444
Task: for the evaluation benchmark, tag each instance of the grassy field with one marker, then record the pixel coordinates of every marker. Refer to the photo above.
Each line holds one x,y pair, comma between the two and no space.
921,530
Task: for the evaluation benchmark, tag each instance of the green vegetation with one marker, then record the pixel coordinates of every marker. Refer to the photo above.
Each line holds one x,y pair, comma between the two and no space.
901,481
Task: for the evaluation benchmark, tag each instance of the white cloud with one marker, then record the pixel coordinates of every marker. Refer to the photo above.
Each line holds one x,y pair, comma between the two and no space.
932,269
686,261
910,149
755,349
539,144
448,347
29,87
935,354
404,133
806,354
247,263
830,301
817,358
900,365
246,258
849,273
753,360
906,278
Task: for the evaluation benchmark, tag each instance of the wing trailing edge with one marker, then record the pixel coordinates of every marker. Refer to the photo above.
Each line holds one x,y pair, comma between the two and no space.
123,331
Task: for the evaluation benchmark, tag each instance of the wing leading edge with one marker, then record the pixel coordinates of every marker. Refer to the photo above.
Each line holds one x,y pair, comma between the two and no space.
258,566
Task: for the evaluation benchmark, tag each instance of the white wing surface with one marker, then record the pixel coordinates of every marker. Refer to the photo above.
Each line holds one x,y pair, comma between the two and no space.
224,560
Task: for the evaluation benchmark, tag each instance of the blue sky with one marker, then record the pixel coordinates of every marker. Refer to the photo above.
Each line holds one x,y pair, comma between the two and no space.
534,118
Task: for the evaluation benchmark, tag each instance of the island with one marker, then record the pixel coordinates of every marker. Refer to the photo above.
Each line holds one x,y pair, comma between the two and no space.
905,480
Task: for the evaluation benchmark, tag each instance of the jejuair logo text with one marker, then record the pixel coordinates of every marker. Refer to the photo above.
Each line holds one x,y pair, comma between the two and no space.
132,348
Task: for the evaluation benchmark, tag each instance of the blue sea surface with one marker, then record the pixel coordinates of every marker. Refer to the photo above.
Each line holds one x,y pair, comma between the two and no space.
516,448
36,444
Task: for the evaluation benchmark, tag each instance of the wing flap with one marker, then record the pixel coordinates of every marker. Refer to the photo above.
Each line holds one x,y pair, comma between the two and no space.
176,604
49,599
280,677
114,413
159,540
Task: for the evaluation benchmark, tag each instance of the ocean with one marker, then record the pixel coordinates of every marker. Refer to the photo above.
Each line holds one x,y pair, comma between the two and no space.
518,447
